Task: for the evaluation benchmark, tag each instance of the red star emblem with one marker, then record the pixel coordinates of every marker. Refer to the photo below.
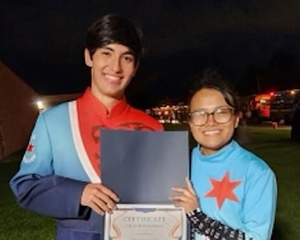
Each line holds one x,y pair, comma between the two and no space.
30,147
223,189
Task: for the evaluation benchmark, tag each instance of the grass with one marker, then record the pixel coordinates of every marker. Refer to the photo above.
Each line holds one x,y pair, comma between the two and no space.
17,223
283,155
273,145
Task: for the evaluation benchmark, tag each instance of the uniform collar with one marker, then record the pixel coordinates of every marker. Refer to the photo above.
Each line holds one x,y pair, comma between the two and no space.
220,155
91,104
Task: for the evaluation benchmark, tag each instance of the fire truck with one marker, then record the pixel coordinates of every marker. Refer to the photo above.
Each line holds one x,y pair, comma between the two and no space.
281,106
256,107
261,104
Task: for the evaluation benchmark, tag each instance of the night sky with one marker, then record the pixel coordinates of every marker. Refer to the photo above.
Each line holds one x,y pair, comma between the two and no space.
255,43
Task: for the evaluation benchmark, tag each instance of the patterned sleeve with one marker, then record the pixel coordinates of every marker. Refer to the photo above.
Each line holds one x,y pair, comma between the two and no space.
211,228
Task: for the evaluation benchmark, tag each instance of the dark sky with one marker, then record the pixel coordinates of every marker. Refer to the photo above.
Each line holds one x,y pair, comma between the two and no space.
256,43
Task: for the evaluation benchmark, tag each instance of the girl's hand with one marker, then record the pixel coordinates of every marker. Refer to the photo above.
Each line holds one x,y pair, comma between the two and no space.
185,197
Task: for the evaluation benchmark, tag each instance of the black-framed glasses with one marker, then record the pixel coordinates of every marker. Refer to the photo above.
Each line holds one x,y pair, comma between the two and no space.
220,115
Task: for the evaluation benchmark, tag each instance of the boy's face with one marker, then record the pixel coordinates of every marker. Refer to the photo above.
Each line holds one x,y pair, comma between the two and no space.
112,68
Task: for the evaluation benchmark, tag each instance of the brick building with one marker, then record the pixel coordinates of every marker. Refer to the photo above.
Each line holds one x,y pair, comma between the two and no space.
17,111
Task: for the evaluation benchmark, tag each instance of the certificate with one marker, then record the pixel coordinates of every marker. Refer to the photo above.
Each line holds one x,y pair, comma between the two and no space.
146,222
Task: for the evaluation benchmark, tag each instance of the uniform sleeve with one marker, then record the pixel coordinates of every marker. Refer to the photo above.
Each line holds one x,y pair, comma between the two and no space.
37,188
259,205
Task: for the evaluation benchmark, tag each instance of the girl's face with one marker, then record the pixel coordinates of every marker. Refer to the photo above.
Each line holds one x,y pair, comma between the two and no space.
212,135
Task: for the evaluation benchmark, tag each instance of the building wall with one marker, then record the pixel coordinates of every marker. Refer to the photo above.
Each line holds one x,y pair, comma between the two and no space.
18,112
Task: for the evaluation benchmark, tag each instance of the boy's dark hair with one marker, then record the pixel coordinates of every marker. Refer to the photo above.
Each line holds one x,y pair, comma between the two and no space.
114,28
213,80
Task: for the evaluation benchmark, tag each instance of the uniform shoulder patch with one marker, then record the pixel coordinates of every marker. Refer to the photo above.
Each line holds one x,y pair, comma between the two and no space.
30,154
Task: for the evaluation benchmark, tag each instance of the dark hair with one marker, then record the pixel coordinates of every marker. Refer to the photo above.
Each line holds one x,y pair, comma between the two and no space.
213,80
114,28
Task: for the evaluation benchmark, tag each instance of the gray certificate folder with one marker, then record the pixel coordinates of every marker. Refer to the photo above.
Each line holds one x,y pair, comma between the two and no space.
142,166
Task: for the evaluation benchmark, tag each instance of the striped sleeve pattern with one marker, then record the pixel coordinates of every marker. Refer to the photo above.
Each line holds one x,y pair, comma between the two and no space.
211,228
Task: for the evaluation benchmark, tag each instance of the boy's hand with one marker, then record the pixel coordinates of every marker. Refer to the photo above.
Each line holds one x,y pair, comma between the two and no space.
99,198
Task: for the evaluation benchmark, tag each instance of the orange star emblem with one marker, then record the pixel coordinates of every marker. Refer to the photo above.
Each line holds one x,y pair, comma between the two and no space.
223,189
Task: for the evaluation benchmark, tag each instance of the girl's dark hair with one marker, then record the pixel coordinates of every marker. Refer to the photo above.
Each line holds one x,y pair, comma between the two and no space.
114,28
213,80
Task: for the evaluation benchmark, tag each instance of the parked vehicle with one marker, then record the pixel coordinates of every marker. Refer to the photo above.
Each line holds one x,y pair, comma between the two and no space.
295,121
282,103
256,108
